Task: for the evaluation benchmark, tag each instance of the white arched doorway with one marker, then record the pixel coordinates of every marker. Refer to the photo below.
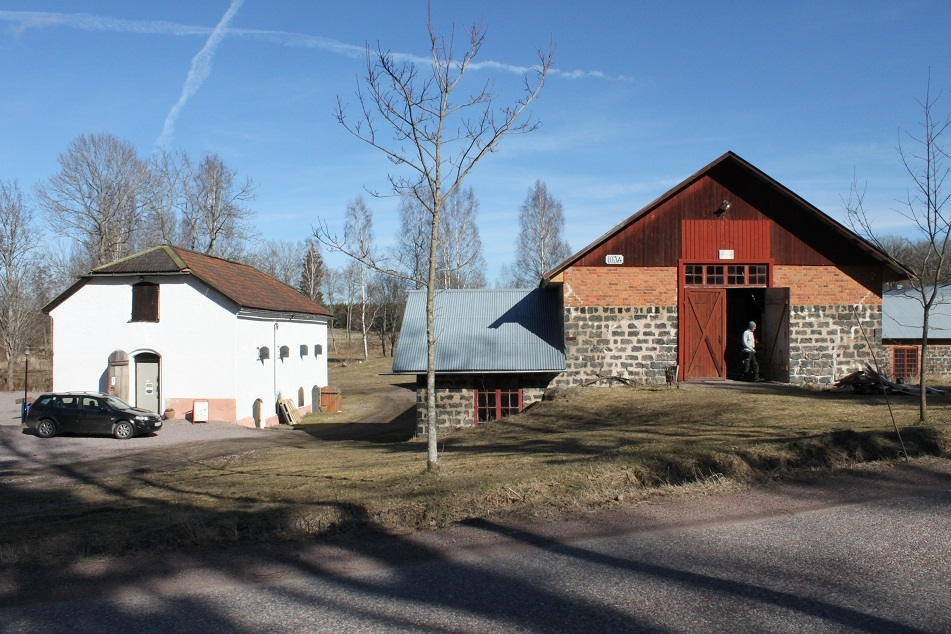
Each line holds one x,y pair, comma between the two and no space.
147,388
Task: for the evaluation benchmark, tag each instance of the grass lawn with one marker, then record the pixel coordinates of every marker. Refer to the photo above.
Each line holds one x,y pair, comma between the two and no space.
590,449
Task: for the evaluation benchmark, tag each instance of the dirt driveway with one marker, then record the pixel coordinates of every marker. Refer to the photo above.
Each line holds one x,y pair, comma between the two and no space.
25,456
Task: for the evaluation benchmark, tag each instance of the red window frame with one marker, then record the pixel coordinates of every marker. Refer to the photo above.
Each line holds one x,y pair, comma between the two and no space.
905,362
495,403
724,273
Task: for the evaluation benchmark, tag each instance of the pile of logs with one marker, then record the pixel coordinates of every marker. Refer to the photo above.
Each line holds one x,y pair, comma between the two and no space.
868,381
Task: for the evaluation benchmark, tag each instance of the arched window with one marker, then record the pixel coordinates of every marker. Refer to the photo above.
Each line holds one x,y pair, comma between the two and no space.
318,350
303,350
264,353
285,352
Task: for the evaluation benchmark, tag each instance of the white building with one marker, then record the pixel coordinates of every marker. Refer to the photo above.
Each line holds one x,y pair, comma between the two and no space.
167,327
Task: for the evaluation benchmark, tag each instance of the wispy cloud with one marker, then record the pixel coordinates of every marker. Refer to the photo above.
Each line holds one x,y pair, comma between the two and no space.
198,73
26,20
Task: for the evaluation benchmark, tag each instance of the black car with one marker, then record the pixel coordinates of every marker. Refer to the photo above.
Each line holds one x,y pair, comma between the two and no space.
88,413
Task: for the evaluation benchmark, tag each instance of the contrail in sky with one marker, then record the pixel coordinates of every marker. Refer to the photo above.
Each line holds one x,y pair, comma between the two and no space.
26,20
198,73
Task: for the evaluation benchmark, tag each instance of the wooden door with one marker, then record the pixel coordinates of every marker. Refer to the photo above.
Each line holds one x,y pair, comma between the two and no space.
775,336
703,333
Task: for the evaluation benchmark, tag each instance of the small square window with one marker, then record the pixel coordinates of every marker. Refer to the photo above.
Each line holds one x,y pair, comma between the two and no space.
303,350
318,350
715,275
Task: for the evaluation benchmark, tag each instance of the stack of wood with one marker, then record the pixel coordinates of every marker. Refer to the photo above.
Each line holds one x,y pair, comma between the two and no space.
287,412
868,381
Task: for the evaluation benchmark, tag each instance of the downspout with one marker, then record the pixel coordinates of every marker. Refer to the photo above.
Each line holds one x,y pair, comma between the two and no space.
274,358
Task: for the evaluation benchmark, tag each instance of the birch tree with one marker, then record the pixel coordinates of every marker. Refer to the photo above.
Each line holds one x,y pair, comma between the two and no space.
435,129
358,234
461,263
311,278
927,259
540,244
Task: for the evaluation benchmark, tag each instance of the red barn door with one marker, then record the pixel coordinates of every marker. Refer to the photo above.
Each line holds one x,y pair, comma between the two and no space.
703,333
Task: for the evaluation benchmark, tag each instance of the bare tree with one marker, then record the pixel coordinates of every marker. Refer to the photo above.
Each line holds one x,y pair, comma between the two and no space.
97,197
927,260
410,113
390,296
281,259
311,278
19,312
351,286
358,234
216,220
332,289
461,263
168,173
412,243
539,245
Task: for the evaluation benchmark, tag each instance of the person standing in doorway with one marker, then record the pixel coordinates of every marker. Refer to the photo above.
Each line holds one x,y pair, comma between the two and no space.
750,364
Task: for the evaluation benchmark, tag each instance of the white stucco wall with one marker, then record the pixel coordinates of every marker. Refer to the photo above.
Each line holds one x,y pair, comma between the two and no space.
265,379
206,350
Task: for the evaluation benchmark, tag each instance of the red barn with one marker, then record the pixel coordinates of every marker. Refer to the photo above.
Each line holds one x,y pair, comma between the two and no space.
672,288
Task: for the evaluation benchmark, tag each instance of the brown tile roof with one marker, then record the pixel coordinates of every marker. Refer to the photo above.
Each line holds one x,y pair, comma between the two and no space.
243,284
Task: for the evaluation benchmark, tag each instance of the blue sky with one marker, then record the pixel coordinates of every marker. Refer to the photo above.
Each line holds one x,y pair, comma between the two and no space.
644,94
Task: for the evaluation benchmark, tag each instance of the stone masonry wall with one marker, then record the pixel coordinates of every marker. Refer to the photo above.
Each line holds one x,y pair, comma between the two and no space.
939,360
829,342
636,343
455,397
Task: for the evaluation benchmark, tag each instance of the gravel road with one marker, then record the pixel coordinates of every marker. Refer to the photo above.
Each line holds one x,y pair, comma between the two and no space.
19,449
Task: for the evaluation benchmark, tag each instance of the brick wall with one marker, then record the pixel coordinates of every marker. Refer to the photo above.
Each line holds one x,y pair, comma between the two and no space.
620,286
827,285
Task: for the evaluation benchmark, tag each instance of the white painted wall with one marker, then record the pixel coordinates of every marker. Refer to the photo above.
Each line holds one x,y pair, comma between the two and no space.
206,351
264,379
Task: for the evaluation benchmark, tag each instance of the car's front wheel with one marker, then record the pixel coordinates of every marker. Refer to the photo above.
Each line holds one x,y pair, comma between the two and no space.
123,430
46,428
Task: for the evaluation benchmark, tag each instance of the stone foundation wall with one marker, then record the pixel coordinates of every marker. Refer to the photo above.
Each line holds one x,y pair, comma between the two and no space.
636,343
939,360
829,342
455,396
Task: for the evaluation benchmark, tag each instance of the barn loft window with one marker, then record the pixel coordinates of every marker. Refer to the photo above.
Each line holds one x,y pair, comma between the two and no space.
726,275
145,302
905,363
493,403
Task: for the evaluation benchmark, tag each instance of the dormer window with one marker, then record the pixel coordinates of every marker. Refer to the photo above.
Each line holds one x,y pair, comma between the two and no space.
145,302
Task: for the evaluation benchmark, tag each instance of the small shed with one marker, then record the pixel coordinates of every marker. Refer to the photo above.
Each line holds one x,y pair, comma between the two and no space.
497,350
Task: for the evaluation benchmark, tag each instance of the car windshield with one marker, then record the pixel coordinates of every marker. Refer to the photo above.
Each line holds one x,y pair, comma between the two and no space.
117,403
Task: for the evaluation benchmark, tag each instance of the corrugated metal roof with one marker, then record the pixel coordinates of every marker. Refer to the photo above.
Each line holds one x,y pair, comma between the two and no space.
902,314
485,330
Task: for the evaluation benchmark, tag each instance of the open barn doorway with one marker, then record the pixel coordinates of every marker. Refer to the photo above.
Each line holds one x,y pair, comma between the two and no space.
769,308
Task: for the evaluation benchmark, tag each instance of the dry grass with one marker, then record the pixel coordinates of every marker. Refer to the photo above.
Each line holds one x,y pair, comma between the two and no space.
589,450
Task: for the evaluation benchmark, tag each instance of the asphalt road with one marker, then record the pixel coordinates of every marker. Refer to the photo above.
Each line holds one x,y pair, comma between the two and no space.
861,552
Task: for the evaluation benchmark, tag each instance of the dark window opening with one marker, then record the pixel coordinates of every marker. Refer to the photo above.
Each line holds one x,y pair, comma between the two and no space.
303,350
145,302
726,275
285,352
264,353
498,402
905,363
318,350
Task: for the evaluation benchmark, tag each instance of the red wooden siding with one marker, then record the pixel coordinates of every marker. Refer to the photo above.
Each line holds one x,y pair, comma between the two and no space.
764,220
748,239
